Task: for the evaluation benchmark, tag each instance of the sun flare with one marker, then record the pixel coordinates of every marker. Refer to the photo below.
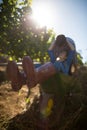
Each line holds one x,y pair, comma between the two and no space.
42,14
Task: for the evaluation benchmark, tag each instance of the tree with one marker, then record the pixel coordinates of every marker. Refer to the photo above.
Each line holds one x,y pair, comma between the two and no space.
19,34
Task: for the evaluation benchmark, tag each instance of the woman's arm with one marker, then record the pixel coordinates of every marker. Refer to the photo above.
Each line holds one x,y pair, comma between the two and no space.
52,57
52,46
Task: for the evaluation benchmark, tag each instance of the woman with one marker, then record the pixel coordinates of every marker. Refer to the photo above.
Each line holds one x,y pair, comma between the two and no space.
62,53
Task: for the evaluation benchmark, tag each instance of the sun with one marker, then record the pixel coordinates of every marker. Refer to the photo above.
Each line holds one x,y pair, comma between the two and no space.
42,14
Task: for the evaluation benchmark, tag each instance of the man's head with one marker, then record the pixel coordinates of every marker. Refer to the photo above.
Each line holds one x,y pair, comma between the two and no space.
60,40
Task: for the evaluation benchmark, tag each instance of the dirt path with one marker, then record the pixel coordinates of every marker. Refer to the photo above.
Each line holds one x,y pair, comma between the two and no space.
14,117
12,103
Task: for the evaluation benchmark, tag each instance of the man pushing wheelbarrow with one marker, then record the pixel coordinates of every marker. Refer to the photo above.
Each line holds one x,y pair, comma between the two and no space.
63,59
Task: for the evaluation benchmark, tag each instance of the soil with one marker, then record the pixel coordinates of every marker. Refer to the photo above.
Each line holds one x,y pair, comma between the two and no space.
16,115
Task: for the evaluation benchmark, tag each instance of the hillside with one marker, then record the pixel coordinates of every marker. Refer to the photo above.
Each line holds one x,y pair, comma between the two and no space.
69,112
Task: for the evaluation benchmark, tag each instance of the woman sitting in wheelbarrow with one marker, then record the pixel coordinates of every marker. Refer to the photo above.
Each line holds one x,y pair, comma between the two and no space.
63,58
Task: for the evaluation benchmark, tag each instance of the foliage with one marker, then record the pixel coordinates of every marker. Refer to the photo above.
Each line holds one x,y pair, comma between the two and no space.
19,34
79,57
86,63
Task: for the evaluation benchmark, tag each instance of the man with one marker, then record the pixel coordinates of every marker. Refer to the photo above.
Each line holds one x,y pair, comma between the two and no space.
63,59
62,53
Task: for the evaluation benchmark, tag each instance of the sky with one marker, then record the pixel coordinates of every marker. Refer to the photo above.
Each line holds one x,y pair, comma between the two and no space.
68,17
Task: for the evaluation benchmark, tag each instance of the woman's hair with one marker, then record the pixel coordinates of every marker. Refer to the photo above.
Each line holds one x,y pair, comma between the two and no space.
60,39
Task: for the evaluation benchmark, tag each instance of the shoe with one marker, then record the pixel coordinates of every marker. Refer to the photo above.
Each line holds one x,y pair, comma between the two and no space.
17,78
